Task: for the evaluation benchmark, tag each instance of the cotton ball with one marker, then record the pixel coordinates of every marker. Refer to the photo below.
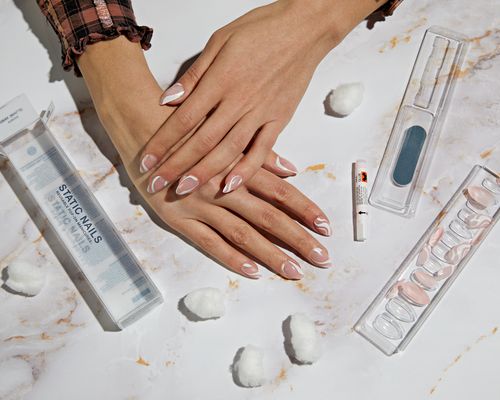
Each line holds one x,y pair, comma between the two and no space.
24,277
346,98
206,303
249,367
304,339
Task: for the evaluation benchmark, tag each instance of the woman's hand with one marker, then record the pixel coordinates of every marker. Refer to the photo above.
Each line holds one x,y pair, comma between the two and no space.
243,89
235,229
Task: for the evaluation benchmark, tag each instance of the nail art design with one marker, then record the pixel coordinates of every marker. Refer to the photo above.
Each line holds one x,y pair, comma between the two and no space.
251,270
479,197
187,184
320,257
156,184
290,269
455,254
233,184
174,92
147,162
322,226
424,254
285,166
436,236
477,221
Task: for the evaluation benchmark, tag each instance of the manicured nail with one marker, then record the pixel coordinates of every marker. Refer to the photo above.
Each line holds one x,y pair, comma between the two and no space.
174,92
286,166
251,270
320,257
156,184
291,270
322,226
187,184
233,184
147,162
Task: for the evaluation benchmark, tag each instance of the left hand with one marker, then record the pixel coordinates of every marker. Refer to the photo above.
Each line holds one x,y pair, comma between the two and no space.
243,88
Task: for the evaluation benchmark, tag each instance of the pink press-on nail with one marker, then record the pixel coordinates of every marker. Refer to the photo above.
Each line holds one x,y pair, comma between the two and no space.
414,294
477,221
320,257
456,253
147,162
479,197
322,226
445,272
234,183
436,236
156,184
251,270
187,184
285,166
424,279
174,92
291,270
424,255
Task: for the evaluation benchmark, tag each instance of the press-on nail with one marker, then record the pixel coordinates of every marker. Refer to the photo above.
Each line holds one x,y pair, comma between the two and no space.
147,162
423,256
286,166
156,184
320,257
477,221
232,184
414,294
291,270
251,270
322,226
174,92
436,236
187,184
456,253
480,197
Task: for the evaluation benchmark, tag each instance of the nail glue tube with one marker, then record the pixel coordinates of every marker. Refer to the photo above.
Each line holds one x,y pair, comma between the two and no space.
360,200
82,229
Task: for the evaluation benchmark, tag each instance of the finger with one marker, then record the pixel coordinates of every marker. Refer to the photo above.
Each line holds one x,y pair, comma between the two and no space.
253,159
288,198
222,156
275,222
244,236
210,242
180,90
186,118
199,145
279,165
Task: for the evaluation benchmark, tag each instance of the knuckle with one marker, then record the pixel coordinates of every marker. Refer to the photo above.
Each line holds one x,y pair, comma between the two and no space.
240,235
207,141
193,73
185,119
282,192
269,219
236,144
207,243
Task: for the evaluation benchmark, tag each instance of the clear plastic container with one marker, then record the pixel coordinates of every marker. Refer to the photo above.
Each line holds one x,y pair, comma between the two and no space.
408,154
407,299
81,227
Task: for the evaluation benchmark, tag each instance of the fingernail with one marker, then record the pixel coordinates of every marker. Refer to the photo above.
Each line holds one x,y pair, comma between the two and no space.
147,162
187,184
156,184
286,166
251,270
233,184
322,226
174,92
320,257
291,270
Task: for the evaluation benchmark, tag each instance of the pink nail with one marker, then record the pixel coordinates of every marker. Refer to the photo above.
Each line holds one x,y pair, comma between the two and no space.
187,184
251,270
286,166
147,162
174,92
291,270
320,257
156,184
322,226
233,184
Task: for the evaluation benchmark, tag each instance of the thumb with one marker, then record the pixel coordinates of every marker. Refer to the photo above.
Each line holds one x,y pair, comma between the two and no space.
180,90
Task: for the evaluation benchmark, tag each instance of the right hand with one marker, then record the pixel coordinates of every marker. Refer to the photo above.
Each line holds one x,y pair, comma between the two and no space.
235,229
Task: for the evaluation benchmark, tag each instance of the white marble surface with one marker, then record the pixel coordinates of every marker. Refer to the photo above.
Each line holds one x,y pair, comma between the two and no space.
51,346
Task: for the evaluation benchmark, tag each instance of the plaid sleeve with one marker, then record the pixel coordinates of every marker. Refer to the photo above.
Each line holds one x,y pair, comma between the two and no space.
79,23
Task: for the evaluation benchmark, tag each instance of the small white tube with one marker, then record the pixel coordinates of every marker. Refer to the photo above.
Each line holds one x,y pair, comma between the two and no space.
360,200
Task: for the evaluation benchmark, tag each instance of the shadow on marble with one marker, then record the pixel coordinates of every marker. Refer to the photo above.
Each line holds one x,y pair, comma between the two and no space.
4,277
60,251
287,342
181,306
232,369
328,108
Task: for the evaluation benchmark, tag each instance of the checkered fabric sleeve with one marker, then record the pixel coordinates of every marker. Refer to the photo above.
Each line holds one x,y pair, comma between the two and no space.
79,23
